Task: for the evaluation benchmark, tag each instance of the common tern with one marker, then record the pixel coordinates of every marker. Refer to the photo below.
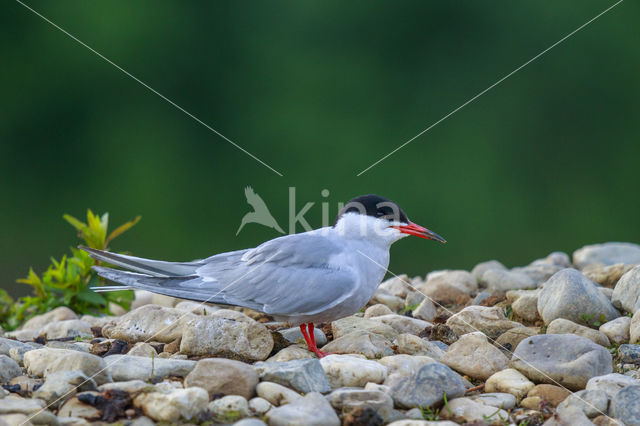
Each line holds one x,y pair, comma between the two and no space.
312,277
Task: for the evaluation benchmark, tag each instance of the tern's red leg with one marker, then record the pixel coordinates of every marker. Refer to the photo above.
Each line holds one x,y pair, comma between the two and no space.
305,334
311,343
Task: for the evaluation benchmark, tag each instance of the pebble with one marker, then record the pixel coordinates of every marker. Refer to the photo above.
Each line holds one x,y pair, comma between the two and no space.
346,399
426,386
148,322
229,408
629,354
259,406
479,270
414,345
73,407
302,375
23,335
569,416
403,324
250,422
413,299
626,294
450,287
525,304
130,386
586,299
7,344
398,286
125,367
566,359
196,307
377,310
496,399
17,404
223,376
141,298
563,326
480,298
426,310
509,381
346,370
539,273
499,281
362,342
58,314
42,362
404,364
490,320
617,330
311,410
474,356
611,383
625,405
510,339
294,335
607,276
63,384
551,394
607,254
73,346
213,336
143,349
469,410
394,303
634,328
290,353
26,383
67,329
276,394
173,405
97,321
591,402
8,369
347,325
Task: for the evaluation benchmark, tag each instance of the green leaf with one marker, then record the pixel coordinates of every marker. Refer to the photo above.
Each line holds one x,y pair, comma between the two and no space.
75,222
92,297
122,229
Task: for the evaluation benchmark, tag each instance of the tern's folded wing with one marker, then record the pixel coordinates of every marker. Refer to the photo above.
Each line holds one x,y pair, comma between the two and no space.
288,276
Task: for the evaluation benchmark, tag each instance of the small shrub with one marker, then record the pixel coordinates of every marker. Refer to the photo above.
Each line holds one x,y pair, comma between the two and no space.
68,282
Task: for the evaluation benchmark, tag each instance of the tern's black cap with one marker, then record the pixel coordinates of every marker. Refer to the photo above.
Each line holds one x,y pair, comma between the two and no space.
375,206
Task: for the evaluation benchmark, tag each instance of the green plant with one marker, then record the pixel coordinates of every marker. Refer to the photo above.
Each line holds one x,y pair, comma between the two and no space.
489,418
446,404
430,414
508,312
68,282
587,319
409,309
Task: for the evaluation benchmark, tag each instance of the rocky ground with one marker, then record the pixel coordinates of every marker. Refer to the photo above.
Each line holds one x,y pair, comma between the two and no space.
554,342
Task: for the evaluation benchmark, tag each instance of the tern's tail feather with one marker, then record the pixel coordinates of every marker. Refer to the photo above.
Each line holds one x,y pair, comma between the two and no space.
169,286
156,268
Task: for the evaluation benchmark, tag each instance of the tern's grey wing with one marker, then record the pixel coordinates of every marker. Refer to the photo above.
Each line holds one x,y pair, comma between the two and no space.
288,275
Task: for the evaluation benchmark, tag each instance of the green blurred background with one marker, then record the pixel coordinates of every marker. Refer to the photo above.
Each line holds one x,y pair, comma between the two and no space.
548,160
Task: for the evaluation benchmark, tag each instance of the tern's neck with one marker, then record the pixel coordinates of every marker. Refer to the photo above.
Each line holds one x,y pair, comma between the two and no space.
364,228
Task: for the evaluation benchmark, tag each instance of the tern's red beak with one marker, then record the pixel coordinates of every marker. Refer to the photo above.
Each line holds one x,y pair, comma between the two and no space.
419,231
